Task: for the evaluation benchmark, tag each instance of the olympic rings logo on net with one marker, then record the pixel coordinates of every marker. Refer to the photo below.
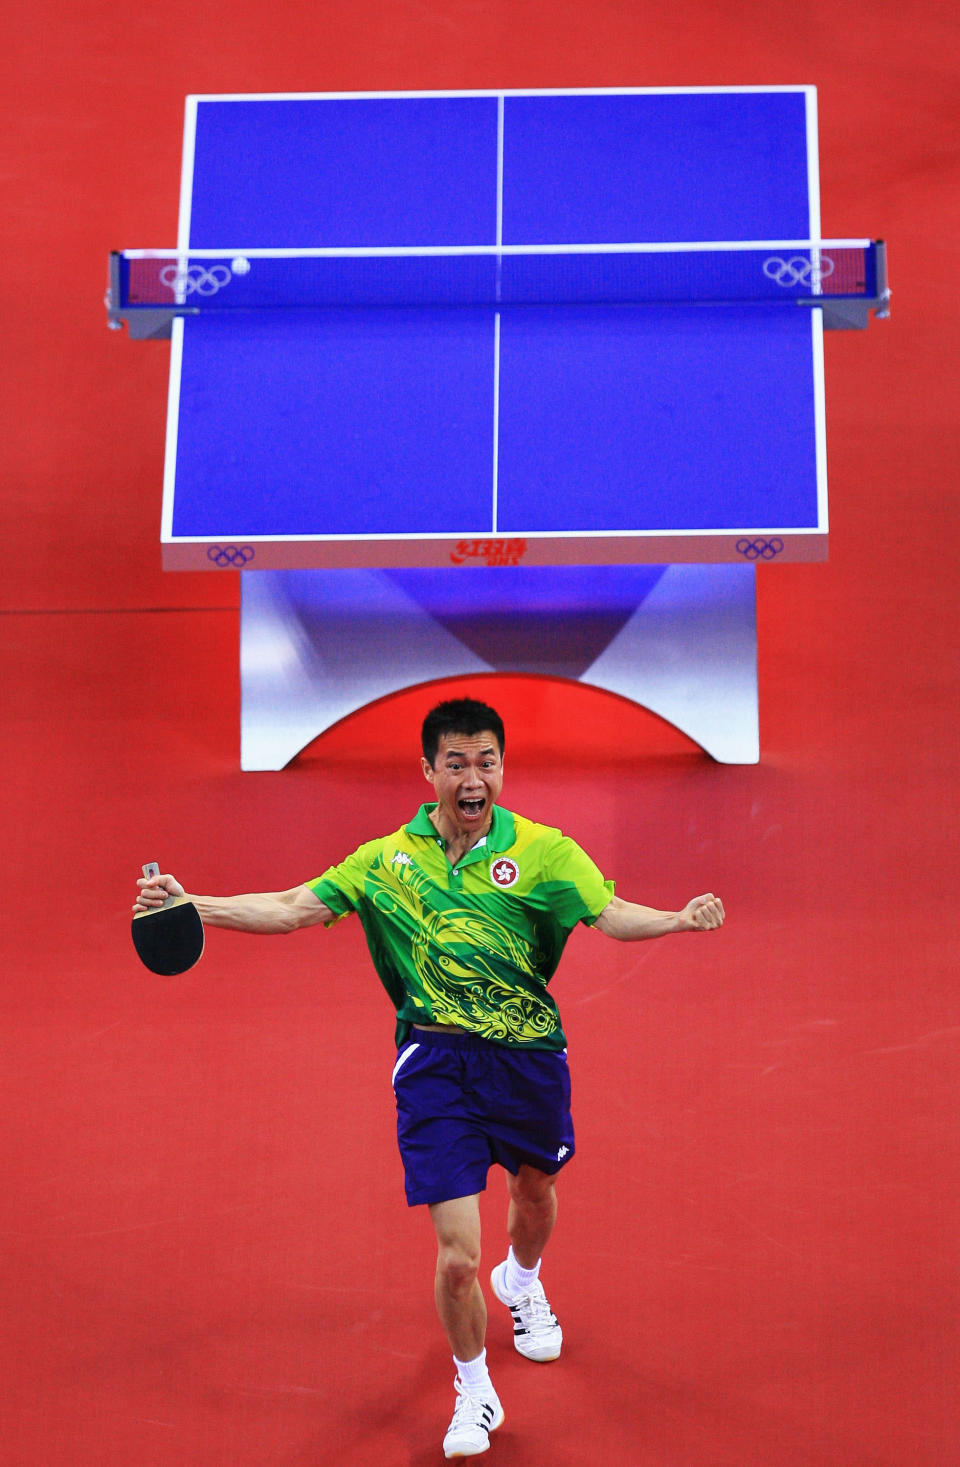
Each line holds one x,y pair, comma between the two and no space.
230,555
195,279
760,549
798,270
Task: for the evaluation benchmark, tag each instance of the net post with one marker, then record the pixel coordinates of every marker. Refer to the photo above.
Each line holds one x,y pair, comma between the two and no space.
112,298
882,311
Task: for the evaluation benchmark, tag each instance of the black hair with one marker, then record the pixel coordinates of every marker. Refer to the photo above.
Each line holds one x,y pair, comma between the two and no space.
458,716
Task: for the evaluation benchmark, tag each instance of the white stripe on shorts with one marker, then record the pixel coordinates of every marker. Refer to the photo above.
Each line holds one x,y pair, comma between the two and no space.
403,1060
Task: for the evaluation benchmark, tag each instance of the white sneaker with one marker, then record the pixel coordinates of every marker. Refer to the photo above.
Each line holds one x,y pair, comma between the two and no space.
536,1332
476,1414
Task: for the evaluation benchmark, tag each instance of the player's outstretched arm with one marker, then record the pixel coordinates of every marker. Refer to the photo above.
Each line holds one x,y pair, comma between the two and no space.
265,911
629,922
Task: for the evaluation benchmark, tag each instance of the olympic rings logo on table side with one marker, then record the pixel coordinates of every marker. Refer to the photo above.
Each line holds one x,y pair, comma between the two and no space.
230,555
760,549
196,279
798,270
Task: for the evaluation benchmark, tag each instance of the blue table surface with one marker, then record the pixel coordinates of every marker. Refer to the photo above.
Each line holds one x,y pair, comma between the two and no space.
381,422
378,422
575,169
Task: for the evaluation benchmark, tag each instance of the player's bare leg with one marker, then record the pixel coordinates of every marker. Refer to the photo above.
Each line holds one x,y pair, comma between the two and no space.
463,1314
460,1302
516,1282
531,1214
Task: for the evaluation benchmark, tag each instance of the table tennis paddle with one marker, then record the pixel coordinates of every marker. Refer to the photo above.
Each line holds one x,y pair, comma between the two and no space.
169,939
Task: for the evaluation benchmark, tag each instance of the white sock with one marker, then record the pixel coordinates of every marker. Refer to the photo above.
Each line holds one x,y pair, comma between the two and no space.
517,1280
473,1373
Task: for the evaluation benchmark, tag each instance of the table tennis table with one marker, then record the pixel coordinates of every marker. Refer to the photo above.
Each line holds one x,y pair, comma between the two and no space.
446,365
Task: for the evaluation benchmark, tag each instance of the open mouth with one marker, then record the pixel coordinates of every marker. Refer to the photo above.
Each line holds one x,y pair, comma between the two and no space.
472,807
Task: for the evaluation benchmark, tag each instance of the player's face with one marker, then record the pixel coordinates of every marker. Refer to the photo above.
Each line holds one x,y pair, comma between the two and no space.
467,776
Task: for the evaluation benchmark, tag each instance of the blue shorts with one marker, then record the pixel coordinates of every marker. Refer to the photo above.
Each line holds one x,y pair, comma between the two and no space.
464,1104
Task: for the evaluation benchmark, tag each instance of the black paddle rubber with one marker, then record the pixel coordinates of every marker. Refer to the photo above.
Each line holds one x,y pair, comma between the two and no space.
168,940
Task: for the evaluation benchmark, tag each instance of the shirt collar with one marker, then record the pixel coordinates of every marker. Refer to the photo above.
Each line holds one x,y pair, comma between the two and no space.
500,836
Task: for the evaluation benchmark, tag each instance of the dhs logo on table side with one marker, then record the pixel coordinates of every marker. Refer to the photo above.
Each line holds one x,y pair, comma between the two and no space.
489,552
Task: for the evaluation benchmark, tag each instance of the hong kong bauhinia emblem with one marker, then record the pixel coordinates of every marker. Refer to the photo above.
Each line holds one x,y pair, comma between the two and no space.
504,872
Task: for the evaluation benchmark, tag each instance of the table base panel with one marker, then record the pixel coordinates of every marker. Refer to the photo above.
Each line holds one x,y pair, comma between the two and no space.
679,640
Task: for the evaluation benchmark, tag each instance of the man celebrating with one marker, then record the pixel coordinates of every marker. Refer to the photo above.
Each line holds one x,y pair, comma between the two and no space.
466,911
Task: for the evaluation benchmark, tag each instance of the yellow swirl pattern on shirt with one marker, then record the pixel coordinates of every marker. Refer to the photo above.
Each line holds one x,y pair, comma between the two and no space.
459,954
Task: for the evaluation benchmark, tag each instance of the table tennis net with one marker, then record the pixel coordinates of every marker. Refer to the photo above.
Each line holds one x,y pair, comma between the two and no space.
616,275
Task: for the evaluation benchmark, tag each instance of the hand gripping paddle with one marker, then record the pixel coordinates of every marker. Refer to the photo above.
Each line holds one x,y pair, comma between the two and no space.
169,939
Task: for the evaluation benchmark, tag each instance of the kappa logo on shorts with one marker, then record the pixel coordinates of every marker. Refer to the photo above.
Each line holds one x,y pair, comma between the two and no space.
564,1151
504,872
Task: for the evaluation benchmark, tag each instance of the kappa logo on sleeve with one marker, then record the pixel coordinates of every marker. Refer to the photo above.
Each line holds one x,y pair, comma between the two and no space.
402,859
504,872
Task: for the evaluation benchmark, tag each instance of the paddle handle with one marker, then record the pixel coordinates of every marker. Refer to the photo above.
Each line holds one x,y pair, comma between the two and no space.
151,870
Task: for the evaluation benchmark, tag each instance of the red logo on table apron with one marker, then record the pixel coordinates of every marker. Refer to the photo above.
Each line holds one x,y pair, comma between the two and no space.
504,872
488,552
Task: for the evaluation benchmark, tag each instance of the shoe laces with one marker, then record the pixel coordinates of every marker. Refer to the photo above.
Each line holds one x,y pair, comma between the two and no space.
470,1407
535,1310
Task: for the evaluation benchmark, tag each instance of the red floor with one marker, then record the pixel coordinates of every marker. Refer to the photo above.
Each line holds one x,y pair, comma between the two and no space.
208,1261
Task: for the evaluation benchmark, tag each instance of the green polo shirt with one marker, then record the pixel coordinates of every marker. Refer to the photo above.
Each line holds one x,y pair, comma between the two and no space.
477,943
